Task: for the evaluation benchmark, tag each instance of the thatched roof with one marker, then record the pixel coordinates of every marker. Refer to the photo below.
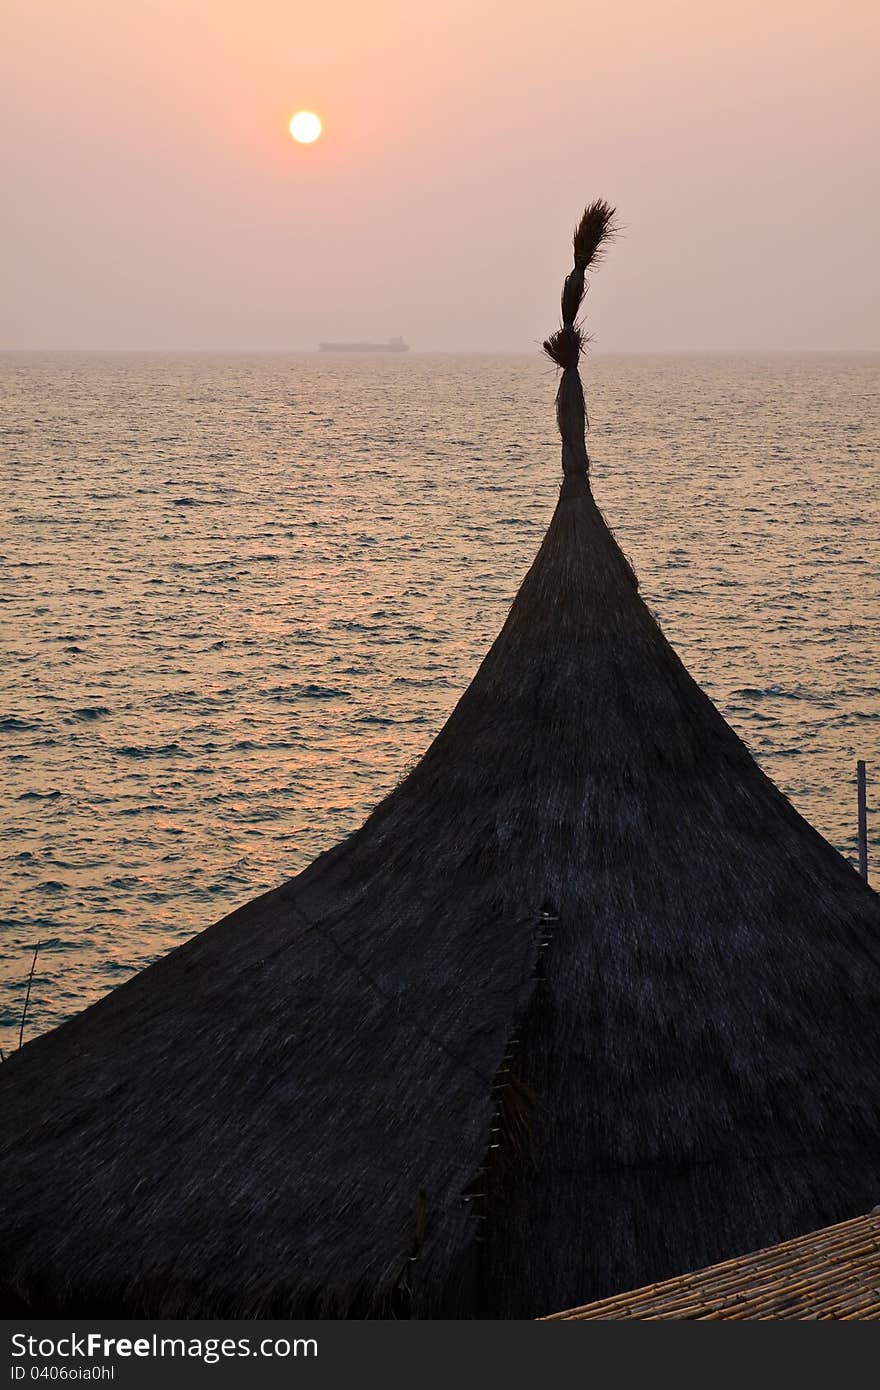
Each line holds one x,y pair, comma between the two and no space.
830,1275
585,1003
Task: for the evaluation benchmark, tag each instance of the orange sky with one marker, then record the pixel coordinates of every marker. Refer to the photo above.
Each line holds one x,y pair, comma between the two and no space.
155,198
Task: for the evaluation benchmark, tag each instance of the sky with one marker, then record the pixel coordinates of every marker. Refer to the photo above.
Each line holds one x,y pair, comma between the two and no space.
155,199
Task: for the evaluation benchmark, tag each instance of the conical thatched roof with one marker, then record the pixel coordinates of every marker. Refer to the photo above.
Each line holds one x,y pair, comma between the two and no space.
585,1003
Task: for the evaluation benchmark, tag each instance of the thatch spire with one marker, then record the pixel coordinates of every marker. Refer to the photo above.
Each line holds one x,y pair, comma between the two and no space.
585,928
564,347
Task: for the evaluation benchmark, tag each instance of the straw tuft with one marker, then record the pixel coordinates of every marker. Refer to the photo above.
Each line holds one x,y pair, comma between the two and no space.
564,346
596,228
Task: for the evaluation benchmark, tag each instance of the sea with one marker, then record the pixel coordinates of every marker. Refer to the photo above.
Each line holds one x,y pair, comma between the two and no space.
240,594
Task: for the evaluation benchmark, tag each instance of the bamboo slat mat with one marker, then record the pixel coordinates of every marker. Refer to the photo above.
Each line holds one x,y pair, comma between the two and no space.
829,1274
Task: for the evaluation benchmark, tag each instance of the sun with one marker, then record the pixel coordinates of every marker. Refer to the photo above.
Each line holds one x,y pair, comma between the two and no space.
305,127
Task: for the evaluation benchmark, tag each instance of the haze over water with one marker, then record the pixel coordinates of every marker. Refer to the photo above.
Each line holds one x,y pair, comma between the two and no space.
241,594
159,201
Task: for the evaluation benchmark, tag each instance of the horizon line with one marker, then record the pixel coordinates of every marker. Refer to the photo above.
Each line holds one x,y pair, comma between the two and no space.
263,351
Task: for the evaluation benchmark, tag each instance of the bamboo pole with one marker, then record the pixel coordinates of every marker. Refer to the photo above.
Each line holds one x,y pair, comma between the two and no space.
861,778
27,997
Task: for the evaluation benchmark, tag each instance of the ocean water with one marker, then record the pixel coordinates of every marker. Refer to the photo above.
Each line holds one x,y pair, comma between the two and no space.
241,594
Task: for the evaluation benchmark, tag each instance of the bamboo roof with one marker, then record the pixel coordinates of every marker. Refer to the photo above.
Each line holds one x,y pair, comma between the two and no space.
828,1275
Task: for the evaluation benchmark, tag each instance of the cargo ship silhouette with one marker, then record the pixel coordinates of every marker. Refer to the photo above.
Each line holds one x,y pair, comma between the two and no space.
391,345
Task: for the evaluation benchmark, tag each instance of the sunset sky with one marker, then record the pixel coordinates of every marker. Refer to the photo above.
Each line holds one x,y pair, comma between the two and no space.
154,197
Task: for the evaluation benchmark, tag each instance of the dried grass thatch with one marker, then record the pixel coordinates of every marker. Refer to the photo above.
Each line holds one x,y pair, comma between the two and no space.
585,928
